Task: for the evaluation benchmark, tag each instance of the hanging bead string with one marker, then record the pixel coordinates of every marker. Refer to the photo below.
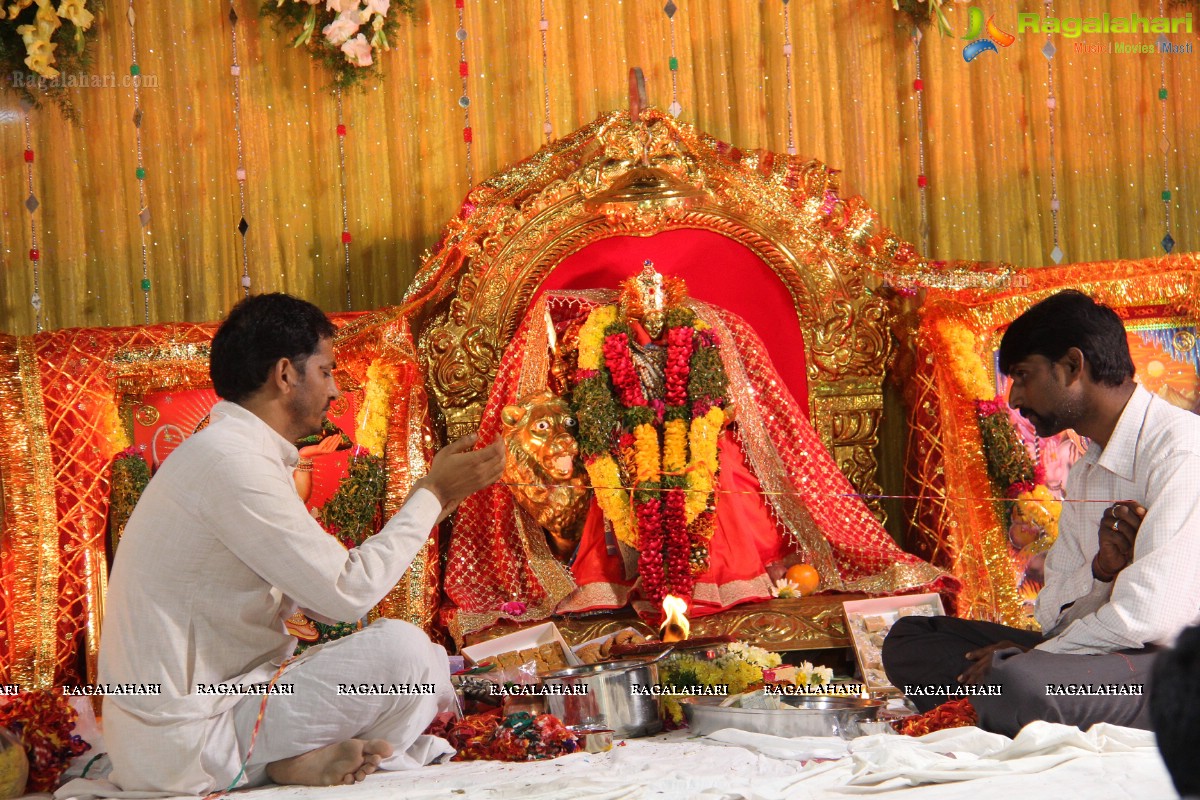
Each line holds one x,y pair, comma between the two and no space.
341,140
1168,241
135,72
1048,51
236,72
922,180
544,27
464,100
669,9
31,204
787,59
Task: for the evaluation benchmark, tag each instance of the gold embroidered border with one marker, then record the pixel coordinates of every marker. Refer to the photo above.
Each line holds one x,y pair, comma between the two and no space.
31,518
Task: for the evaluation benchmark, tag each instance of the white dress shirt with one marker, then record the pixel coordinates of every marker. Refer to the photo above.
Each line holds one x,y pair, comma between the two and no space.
219,551
1153,457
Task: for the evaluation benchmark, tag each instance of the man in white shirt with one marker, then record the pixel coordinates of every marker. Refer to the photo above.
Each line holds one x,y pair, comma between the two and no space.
1123,578
220,551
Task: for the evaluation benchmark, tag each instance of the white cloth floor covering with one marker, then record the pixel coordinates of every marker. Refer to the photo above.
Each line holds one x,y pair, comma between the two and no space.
1046,760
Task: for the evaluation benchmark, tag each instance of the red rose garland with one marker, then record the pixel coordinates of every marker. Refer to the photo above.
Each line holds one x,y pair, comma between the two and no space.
650,549
678,566
679,354
620,366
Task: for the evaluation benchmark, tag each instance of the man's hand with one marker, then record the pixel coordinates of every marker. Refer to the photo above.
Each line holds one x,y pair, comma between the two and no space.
1118,530
981,660
458,471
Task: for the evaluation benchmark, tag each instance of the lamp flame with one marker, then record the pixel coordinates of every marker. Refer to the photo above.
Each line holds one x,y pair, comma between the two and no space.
675,627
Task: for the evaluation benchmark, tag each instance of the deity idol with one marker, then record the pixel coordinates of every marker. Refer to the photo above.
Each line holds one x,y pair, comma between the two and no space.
707,479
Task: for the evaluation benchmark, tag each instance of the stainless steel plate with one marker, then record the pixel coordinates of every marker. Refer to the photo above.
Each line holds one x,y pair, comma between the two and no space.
805,716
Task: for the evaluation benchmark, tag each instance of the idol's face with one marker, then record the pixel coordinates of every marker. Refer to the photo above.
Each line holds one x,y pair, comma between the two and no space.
314,390
1041,392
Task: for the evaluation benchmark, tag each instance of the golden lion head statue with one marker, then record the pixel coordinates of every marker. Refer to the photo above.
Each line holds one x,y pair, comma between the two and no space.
539,431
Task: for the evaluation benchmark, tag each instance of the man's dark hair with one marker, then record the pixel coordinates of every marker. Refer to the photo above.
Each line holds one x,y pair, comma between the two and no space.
1065,320
258,332
1175,710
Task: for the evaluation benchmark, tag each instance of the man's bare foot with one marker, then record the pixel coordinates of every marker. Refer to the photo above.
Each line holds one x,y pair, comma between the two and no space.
333,765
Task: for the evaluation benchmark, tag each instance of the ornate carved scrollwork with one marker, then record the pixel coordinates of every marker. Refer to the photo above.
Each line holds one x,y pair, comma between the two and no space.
617,178
851,341
461,365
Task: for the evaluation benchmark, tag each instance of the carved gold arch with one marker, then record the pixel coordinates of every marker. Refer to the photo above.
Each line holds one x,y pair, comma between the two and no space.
620,177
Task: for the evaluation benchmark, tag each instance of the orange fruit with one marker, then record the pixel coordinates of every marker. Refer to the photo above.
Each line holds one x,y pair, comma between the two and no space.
804,576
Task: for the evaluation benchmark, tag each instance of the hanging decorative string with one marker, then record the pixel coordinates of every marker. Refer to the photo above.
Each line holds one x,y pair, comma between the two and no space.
341,141
544,27
922,180
235,71
1168,241
1048,51
787,58
135,72
669,9
464,101
31,205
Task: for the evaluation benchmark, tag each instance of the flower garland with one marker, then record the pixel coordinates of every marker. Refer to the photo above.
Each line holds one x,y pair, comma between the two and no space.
351,514
43,721
964,356
669,444
922,12
1040,508
372,420
35,40
1013,472
1009,463
130,477
342,44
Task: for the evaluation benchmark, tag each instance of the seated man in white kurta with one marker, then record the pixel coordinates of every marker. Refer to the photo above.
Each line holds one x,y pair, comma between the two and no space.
220,551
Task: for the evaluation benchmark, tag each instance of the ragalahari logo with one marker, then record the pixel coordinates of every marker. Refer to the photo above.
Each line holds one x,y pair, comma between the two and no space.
980,43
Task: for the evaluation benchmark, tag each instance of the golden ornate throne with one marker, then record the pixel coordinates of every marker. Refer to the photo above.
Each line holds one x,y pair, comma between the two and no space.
764,235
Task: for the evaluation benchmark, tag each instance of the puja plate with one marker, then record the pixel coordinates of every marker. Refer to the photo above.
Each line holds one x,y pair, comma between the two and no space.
804,716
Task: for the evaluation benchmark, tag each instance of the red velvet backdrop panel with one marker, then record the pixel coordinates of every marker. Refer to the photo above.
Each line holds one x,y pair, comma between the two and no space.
718,270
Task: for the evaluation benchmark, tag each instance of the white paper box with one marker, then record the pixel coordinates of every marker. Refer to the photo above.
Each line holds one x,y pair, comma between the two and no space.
881,613
524,639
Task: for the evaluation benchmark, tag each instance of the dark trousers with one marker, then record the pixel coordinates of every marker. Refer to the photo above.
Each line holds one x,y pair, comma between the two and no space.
931,652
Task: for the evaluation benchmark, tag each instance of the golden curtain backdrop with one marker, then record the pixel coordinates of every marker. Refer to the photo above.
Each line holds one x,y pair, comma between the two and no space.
988,144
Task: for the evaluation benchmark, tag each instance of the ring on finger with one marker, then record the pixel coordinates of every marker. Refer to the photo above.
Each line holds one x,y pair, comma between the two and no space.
1116,525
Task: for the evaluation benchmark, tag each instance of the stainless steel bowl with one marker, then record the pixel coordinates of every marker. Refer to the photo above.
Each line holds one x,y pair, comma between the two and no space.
804,716
609,699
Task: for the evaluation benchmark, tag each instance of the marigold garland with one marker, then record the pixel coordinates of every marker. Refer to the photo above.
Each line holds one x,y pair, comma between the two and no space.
703,441
675,446
1041,508
372,420
591,336
605,478
964,355
646,453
